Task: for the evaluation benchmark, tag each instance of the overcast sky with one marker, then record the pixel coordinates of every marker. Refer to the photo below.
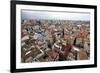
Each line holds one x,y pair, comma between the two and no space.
29,14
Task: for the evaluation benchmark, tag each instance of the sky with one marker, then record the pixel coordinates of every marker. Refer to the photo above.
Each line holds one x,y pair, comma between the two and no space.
51,15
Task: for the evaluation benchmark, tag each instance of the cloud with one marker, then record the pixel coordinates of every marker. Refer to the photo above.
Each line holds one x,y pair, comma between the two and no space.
29,14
